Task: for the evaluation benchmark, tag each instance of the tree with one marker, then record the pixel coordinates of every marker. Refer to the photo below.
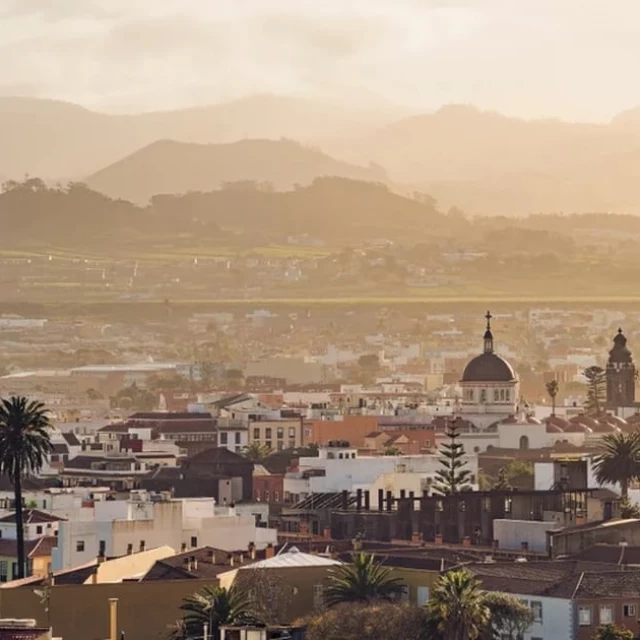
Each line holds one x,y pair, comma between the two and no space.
502,483
457,607
380,621
256,451
629,509
510,619
552,391
596,390
214,606
92,394
618,460
392,451
24,445
613,632
452,477
365,580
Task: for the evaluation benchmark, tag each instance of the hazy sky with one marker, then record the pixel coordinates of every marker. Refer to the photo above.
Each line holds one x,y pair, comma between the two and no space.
568,58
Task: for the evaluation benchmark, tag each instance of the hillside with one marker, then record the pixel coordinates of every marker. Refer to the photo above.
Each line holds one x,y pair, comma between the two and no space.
58,140
489,163
174,167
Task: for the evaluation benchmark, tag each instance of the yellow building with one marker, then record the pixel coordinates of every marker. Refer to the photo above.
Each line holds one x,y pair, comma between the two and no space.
38,554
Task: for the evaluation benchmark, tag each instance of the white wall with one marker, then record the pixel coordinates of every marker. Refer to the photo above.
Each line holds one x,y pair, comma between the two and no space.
510,534
557,618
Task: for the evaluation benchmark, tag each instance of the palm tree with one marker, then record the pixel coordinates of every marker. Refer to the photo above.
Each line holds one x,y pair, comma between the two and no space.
214,606
256,451
24,445
552,390
618,460
177,630
365,580
457,606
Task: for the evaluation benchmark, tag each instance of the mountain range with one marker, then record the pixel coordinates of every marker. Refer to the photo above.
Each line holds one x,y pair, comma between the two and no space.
482,162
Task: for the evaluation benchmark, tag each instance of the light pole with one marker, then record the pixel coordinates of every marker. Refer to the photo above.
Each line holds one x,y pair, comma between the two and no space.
205,631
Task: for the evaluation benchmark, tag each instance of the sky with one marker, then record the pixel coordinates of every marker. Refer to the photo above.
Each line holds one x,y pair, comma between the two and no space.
571,59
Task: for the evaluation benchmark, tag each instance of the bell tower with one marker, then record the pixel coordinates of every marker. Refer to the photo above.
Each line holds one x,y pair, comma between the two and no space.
621,374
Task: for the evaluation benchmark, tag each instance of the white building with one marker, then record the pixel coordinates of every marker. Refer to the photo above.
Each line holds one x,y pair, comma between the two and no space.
121,527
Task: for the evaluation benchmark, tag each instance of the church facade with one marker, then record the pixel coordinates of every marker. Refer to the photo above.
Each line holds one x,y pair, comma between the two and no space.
489,385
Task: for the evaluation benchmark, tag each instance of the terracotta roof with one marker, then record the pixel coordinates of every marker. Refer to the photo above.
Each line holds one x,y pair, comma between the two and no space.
169,416
32,516
38,548
196,564
602,584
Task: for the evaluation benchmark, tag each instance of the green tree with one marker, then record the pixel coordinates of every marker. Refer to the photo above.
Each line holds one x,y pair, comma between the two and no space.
510,619
365,580
392,451
502,483
613,632
618,460
457,607
452,477
552,391
596,390
214,606
24,445
256,451
379,621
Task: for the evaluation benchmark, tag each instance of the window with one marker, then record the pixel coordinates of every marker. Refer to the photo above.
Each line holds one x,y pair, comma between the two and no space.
80,546
224,437
292,432
276,496
318,596
606,614
422,596
496,395
194,541
280,445
427,444
256,433
507,395
483,395
536,609
629,610
142,545
238,436
584,616
268,444
4,570
268,433
39,529
292,443
280,433
129,549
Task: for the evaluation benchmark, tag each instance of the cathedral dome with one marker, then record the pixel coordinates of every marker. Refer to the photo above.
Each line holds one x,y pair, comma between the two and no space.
488,367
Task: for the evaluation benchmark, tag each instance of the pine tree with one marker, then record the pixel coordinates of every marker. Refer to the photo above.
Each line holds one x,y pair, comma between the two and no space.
452,477
596,390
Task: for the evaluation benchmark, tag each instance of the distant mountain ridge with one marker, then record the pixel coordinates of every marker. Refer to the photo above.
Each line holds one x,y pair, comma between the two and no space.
174,167
59,140
483,162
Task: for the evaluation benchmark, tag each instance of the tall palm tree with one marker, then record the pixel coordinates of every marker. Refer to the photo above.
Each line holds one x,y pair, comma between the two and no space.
24,445
256,451
214,606
365,580
618,460
552,391
457,606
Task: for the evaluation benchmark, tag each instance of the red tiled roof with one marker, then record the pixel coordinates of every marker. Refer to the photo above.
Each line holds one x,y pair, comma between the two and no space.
32,516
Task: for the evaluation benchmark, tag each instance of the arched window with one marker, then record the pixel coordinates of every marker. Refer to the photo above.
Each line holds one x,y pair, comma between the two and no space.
524,443
496,395
502,395
483,395
507,394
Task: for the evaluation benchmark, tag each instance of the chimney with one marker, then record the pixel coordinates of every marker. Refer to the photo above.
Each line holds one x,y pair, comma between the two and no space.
189,565
270,551
231,560
194,562
113,618
252,550
211,554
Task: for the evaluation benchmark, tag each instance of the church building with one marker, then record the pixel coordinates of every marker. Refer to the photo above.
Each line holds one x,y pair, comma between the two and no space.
621,374
490,388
